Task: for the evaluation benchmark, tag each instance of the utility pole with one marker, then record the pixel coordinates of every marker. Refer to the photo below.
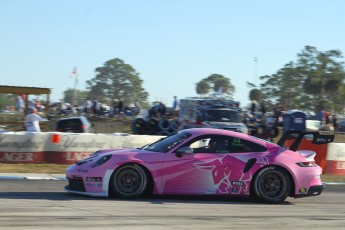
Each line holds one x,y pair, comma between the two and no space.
74,75
255,70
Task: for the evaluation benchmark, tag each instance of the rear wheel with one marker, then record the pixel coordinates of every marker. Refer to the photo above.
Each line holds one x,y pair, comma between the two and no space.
272,185
129,181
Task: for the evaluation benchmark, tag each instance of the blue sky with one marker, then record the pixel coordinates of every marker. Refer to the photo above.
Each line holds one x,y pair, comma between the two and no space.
172,44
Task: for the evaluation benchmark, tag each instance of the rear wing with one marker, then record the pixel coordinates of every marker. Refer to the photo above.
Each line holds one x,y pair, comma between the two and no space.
318,138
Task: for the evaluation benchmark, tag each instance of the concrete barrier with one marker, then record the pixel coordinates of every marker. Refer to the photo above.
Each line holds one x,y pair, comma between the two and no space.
62,148
335,159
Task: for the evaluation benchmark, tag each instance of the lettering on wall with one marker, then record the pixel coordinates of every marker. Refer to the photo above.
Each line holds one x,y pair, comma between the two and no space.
12,157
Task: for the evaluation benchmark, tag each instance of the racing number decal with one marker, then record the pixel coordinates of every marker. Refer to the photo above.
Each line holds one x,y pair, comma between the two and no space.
237,142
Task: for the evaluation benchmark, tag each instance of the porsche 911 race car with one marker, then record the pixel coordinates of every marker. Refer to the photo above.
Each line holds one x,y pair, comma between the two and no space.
202,161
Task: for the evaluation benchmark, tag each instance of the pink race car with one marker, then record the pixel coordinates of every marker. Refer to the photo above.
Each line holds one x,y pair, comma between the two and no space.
202,161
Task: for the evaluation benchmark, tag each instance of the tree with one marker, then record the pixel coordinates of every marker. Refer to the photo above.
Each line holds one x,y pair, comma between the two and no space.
116,80
202,87
323,73
79,95
313,83
284,87
255,95
218,83
6,100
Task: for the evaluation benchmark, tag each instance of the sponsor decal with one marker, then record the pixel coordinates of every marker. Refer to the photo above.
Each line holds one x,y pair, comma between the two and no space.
22,157
302,190
65,142
75,142
94,179
323,139
94,185
28,143
76,156
237,183
82,170
340,165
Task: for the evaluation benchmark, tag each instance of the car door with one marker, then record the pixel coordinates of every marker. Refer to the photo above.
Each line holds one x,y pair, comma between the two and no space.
205,169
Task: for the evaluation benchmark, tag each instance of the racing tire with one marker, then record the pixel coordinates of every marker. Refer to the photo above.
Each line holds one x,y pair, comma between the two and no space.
174,125
164,124
139,126
271,185
129,182
152,125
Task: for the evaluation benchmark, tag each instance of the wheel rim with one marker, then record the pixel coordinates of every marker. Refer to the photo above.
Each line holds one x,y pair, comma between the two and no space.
129,181
272,185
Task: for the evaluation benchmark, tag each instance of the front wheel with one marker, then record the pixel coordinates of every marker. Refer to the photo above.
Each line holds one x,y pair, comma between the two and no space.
272,185
129,181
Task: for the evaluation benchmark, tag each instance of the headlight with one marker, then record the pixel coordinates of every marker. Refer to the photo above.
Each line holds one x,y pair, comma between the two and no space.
101,161
90,158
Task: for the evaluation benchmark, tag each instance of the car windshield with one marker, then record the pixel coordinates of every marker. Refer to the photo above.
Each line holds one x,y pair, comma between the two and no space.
221,116
167,143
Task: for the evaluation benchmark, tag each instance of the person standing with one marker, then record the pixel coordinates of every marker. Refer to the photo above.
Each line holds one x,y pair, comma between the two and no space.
32,120
176,107
87,106
120,107
335,122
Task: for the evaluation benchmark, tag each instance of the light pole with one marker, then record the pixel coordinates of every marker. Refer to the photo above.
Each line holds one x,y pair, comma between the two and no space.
255,70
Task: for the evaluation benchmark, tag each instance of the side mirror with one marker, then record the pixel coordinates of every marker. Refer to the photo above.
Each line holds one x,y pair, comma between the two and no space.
184,150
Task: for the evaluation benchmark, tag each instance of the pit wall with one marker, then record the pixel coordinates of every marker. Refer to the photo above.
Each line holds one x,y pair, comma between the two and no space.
67,148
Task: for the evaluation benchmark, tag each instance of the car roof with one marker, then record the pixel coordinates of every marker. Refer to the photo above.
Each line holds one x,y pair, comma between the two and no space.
69,118
213,131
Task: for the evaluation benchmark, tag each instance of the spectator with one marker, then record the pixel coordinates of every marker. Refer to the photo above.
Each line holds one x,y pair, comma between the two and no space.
162,109
328,120
176,107
20,104
120,107
115,106
32,120
87,106
335,122
136,107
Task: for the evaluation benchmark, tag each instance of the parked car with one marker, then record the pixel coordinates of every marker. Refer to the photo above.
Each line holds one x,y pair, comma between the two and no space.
202,161
341,126
74,125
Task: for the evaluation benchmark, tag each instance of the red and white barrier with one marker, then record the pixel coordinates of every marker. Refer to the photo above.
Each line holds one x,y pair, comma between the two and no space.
62,148
335,159
67,148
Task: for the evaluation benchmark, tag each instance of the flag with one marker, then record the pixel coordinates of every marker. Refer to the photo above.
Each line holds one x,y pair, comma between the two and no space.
74,73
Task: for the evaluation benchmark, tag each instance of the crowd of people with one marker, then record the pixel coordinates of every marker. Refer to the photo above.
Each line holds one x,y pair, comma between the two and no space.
329,121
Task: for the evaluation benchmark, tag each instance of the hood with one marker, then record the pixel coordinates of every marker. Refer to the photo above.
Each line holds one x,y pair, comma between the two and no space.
102,151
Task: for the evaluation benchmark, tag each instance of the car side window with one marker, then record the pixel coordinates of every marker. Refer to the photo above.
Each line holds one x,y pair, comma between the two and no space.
238,145
223,144
209,144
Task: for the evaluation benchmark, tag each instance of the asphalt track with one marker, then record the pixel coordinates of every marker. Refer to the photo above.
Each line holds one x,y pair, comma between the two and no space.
42,204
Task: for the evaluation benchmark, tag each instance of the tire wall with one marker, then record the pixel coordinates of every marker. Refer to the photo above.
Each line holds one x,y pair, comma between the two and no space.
154,126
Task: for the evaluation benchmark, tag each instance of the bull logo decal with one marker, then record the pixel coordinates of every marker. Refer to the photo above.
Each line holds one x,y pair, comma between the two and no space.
226,181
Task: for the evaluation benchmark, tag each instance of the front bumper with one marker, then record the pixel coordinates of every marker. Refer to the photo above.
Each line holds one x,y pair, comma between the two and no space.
312,191
89,184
